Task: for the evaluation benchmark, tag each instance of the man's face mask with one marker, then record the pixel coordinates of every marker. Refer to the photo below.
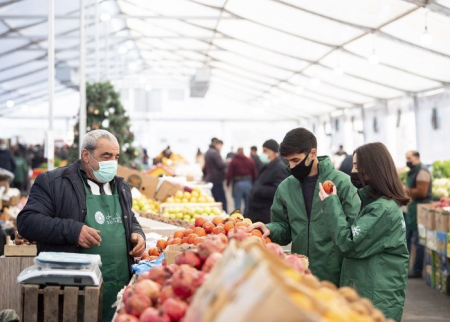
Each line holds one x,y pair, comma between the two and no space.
107,170
301,170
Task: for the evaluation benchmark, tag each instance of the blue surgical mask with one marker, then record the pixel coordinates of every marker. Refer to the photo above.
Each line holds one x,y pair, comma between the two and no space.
264,158
107,170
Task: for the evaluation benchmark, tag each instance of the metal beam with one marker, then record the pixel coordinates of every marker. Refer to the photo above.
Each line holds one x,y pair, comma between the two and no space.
432,5
42,38
119,16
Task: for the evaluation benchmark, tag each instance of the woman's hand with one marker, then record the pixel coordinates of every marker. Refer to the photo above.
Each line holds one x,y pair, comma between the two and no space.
323,195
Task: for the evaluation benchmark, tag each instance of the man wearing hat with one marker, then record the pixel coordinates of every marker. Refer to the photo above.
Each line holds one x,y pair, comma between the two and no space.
271,175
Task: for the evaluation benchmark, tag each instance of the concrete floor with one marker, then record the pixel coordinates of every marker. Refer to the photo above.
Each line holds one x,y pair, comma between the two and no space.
424,303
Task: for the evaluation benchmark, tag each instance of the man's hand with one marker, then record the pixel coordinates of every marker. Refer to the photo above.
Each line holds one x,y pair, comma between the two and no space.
323,195
139,242
260,226
89,237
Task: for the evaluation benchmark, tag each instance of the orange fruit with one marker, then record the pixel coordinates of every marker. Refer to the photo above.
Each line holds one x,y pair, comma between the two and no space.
199,231
177,241
170,241
208,227
218,220
191,226
229,220
229,225
153,252
188,231
184,240
179,234
328,186
218,230
199,221
198,240
256,232
240,224
191,238
162,244
267,240
243,228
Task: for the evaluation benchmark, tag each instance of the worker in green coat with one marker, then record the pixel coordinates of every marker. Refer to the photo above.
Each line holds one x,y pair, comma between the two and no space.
376,258
297,209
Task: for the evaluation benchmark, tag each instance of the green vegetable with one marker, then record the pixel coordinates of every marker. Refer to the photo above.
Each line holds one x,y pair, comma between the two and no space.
441,169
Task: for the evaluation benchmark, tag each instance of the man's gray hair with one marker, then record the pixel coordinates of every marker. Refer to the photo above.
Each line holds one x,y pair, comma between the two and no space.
91,138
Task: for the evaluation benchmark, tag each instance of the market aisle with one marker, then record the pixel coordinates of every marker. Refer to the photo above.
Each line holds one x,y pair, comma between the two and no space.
424,303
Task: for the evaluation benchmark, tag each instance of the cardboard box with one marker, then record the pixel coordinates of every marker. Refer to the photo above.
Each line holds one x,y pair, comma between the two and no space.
428,253
445,283
5,184
431,240
441,242
442,220
448,244
146,184
444,265
422,231
429,276
431,219
172,251
166,190
437,279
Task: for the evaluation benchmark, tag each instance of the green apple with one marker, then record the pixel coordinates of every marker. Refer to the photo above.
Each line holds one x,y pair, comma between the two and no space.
172,216
192,220
195,216
186,217
179,215
166,215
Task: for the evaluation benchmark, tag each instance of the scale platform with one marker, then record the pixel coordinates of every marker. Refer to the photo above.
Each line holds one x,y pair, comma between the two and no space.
63,269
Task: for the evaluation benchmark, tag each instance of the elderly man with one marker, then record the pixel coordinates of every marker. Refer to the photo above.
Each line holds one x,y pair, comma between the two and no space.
86,208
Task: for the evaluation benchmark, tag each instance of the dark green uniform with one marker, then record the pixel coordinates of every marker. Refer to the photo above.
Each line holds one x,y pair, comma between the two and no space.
374,246
310,236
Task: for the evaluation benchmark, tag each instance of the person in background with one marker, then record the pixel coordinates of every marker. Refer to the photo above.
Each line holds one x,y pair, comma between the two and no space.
418,185
341,151
214,171
230,155
347,164
255,157
200,158
242,173
297,215
21,174
7,160
373,245
86,208
271,175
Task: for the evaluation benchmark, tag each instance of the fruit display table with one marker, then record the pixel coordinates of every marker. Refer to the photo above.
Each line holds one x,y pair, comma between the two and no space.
149,226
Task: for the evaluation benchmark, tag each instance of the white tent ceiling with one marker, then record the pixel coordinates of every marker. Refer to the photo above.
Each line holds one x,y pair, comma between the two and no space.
302,58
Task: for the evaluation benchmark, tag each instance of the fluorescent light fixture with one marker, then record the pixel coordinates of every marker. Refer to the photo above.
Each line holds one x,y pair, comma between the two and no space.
105,16
9,104
432,92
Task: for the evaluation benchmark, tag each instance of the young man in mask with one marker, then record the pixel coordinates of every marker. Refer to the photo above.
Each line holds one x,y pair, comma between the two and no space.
296,211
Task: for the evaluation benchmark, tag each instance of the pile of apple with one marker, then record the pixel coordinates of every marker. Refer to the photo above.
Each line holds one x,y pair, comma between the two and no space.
143,204
195,196
190,213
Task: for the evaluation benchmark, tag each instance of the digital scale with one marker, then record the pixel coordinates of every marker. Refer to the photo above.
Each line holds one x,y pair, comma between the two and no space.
73,269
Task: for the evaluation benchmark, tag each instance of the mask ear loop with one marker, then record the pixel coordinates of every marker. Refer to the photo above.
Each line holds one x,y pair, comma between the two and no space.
90,155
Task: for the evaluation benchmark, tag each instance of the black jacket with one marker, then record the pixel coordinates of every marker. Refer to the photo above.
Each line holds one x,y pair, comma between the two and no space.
215,168
258,163
264,188
56,209
7,160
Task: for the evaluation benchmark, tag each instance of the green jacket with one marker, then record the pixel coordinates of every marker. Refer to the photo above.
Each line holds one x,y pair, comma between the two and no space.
21,172
310,237
374,246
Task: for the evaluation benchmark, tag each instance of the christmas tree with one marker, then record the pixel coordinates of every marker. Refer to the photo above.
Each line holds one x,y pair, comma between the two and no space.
104,111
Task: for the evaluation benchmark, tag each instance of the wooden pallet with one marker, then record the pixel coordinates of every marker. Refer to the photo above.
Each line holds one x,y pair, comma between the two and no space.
61,303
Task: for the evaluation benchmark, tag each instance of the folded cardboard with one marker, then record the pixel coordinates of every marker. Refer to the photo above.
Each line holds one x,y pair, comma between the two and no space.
442,220
172,251
431,239
146,184
166,190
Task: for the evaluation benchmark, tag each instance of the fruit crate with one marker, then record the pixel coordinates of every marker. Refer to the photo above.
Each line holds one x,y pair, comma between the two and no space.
191,205
61,303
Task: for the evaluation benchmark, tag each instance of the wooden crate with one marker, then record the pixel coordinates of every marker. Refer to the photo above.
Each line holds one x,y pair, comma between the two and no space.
61,303
10,295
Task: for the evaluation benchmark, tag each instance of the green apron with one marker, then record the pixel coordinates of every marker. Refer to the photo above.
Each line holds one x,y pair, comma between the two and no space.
411,213
105,214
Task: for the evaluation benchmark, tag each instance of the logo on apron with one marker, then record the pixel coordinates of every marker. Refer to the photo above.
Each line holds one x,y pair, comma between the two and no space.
99,218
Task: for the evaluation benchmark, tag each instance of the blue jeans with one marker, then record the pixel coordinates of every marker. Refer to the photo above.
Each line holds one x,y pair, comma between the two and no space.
218,193
241,190
418,261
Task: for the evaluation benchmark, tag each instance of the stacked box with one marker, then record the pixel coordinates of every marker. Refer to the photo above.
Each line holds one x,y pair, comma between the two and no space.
441,243
429,276
428,256
445,283
448,245
431,239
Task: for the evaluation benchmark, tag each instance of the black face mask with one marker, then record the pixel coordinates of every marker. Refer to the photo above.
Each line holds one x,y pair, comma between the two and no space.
354,177
301,171
409,165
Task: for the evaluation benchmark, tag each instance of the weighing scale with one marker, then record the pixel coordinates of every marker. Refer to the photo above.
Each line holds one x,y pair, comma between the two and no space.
53,268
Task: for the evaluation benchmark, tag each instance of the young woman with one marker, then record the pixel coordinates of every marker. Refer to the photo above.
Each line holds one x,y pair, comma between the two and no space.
376,258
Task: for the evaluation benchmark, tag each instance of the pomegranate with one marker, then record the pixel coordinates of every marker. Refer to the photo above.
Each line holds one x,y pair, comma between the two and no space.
143,276
153,315
295,262
209,246
129,290
201,278
237,234
173,268
175,308
136,304
166,293
184,281
126,318
211,261
188,257
148,288
276,249
159,274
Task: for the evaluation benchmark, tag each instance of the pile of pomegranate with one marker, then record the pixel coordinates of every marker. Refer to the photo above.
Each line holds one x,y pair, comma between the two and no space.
164,293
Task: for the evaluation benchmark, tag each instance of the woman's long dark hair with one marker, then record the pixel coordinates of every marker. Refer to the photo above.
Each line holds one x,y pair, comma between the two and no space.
376,169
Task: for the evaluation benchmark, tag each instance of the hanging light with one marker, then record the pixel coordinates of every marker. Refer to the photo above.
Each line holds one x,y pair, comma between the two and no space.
10,104
426,38
373,58
105,16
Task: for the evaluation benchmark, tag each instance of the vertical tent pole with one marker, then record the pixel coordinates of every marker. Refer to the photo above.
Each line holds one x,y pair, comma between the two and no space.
97,45
82,85
51,83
